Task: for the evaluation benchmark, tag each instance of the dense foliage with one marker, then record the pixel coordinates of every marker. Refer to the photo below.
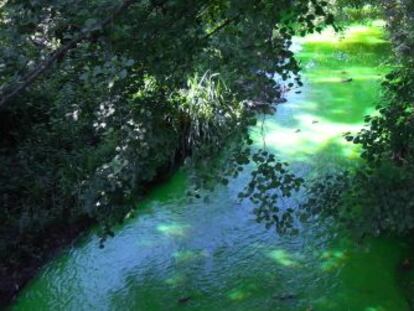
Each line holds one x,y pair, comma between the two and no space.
356,11
98,98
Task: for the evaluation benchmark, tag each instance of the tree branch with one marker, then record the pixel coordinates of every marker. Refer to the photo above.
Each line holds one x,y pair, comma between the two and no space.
31,76
223,25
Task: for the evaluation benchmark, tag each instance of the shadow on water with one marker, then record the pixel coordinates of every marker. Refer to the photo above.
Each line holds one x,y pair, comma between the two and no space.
176,255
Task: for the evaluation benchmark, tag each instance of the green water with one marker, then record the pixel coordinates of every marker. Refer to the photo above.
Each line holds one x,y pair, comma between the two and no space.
214,252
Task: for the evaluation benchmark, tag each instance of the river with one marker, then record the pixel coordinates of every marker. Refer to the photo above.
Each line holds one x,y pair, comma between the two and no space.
176,255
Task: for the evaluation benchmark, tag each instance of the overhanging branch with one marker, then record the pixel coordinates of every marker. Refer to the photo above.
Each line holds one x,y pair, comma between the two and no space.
32,75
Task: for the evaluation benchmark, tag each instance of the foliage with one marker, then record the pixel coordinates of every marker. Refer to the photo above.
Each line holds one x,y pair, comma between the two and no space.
390,133
368,201
213,113
271,181
356,11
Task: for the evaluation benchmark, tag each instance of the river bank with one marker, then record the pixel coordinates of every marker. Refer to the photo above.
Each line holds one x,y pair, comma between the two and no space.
54,240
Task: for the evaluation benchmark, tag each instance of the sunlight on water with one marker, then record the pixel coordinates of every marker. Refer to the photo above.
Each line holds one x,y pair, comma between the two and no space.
282,257
189,255
341,78
353,34
241,293
332,260
176,280
173,229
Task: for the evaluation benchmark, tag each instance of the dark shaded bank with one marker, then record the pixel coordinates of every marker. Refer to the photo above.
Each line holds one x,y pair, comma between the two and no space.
59,236
48,245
